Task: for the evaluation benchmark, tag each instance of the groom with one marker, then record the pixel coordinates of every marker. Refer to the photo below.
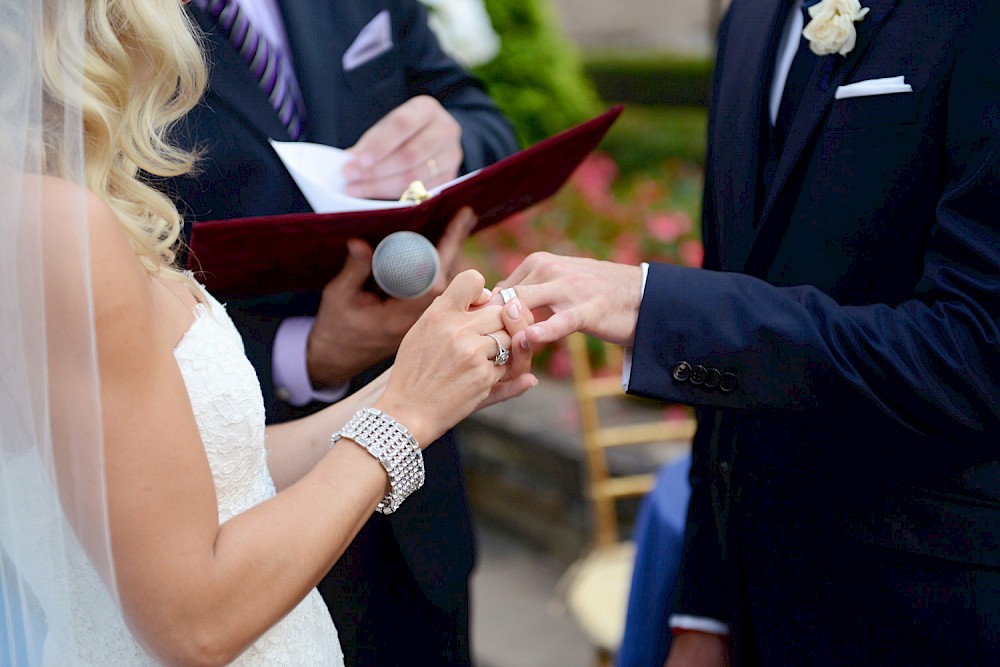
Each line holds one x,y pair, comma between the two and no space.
366,74
841,343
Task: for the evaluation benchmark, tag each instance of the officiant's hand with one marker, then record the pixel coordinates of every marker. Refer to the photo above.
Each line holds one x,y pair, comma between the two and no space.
417,141
356,329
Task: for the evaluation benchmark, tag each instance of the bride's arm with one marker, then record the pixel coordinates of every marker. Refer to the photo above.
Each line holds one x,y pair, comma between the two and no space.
182,577
294,447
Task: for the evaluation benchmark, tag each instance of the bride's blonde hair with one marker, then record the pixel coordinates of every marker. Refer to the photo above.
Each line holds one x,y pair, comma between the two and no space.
143,70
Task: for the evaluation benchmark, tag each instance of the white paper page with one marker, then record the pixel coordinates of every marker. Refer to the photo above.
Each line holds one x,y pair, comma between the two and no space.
318,171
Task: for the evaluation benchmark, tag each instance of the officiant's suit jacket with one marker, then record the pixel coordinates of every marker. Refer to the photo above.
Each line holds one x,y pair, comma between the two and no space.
844,350
240,175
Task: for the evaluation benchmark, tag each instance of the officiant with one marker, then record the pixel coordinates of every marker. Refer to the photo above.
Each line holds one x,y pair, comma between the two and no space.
368,76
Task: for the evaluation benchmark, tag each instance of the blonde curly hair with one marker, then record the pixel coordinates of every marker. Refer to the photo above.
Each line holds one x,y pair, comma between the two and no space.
143,70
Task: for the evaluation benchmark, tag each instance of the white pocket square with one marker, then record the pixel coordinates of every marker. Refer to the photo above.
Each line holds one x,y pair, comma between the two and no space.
373,40
886,86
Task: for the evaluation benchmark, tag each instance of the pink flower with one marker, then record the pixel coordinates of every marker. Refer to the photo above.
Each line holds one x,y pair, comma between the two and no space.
668,227
593,178
560,365
516,224
510,261
627,250
692,253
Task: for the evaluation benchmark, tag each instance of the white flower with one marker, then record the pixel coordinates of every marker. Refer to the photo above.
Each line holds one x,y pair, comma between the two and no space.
464,29
831,29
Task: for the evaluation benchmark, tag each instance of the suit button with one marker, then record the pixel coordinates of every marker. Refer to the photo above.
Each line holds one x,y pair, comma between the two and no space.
682,371
698,375
724,467
712,379
727,382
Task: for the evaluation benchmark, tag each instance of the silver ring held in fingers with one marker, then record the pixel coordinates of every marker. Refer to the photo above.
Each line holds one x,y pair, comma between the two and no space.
503,354
507,293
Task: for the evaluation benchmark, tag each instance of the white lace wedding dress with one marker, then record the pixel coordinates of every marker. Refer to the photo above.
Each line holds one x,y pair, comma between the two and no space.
229,409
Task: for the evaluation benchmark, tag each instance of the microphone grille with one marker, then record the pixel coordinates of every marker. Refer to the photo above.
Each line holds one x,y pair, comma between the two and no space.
405,265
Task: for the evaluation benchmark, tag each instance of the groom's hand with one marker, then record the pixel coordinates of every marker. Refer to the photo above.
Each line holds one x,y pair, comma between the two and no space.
699,649
356,329
596,297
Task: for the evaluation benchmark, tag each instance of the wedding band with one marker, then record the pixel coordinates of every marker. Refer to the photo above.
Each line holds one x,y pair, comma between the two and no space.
507,293
503,354
432,166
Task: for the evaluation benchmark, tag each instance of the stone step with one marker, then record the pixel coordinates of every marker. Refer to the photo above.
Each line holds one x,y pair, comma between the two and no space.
525,466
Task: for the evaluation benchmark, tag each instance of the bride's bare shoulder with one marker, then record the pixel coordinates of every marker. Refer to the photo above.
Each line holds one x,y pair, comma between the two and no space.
83,235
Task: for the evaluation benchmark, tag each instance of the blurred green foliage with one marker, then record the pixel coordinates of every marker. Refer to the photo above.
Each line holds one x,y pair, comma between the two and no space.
650,78
537,79
644,137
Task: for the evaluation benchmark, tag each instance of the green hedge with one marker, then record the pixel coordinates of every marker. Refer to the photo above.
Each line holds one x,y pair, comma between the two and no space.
646,136
544,84
537,79
651,78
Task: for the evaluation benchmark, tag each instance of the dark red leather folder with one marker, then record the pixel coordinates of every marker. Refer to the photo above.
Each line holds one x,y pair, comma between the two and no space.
303,251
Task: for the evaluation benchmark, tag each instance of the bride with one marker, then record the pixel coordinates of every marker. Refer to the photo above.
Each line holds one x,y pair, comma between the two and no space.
139,488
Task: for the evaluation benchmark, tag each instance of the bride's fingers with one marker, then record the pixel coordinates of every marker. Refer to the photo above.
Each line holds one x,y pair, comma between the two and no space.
507,389
484,298
517,318
496,343
465,290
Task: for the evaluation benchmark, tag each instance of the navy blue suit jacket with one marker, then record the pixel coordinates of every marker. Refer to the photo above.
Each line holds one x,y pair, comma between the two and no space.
855,301
240,175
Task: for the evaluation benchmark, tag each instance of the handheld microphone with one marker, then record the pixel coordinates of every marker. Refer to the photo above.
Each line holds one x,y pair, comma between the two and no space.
405,265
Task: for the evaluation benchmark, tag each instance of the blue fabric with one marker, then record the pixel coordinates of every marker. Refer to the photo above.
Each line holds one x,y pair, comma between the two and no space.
659,538
28,634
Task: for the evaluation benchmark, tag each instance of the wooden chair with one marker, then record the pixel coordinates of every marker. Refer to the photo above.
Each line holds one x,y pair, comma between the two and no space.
595,588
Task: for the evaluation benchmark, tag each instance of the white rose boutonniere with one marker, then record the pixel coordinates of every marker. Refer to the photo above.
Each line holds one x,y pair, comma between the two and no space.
464,29
831,29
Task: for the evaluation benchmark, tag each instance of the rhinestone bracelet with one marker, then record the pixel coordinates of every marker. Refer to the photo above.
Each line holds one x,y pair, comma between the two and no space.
393,445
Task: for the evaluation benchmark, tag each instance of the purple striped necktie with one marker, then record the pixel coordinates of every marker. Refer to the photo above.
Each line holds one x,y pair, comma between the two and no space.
267,64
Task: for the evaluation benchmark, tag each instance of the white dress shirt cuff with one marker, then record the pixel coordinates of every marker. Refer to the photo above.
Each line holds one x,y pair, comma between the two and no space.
698,623
289,369
627,356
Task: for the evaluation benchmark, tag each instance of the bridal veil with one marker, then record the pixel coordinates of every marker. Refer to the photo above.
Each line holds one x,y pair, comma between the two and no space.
53,506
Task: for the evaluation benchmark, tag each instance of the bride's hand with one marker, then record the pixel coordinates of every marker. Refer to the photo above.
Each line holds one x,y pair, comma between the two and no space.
444,368
518,378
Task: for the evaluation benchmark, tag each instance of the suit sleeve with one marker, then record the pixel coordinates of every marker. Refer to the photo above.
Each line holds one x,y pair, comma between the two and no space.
928,362
702,591
487,135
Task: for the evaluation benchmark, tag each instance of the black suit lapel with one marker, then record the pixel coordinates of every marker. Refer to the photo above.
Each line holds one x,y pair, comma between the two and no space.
233,83
830,72
320,31
752,41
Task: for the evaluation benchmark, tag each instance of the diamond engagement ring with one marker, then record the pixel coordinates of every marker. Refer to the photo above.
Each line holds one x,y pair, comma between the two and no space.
503,354
507,293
